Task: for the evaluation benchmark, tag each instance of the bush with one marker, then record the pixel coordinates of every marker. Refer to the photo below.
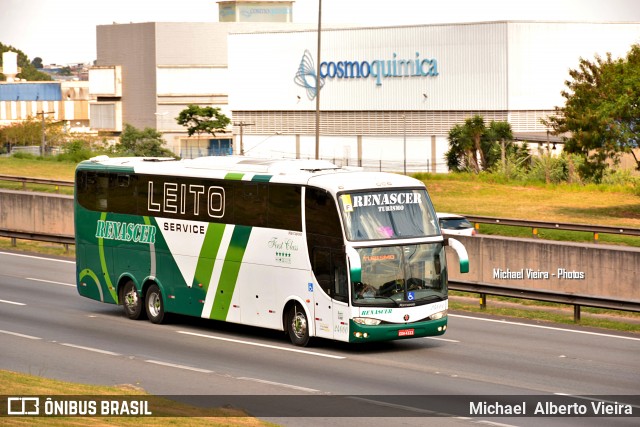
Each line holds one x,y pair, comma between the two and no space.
75,152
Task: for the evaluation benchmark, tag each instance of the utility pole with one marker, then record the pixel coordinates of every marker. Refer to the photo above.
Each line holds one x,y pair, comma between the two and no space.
318,82
242,125
43,142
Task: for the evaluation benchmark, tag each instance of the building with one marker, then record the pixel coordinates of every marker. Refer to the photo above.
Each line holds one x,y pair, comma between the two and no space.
389,95
66,102
146,73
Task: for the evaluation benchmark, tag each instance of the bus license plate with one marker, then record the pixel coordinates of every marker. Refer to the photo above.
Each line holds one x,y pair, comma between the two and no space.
405,332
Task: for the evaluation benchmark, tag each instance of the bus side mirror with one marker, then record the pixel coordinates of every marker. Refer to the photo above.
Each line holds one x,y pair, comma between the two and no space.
463,256
355,267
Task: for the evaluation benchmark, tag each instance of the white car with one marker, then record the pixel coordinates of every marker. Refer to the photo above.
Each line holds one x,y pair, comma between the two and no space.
452,224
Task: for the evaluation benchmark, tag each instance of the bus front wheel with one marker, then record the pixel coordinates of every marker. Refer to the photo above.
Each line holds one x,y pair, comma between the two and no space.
298,326
154,304
131,301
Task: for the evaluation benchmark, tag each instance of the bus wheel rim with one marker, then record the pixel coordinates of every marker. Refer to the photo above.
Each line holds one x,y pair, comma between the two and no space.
131,299
299,324
154,304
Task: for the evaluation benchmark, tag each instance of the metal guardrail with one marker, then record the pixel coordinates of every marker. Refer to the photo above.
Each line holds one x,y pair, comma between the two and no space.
484,289
28,180
39,237
595,229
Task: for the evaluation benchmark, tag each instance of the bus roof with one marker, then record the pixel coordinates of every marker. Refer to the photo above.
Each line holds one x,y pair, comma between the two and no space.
320,173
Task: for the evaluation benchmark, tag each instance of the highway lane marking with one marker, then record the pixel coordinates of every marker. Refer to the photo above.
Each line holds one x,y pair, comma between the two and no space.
546,327
51,281
294,387
174,365
95,350
38,257
591,399
396,406
11,302
294,350
442,339
15,334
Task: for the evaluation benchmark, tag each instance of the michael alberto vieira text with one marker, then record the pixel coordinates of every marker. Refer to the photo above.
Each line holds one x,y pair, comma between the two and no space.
593,409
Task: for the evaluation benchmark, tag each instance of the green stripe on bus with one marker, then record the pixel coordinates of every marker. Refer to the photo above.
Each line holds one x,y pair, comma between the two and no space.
234,176
103,264
208,252
262,178
229,274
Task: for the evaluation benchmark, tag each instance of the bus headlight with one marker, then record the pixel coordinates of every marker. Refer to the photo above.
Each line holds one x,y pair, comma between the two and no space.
438,315
366,321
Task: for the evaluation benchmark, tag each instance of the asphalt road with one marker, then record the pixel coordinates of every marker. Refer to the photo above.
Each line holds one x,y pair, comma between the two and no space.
47,329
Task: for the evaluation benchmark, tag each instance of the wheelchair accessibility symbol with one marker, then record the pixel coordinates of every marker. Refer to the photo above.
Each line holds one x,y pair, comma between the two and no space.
411,296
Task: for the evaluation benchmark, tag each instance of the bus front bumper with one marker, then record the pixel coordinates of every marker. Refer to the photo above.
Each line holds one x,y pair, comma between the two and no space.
389,331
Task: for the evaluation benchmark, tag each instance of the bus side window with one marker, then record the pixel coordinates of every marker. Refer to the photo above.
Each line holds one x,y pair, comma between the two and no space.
102,191
322,269
322,214
330,269
250,207
86,186
122,193
340,283
283,207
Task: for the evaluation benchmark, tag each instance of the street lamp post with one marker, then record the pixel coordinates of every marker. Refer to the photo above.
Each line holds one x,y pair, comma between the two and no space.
404,140
43,143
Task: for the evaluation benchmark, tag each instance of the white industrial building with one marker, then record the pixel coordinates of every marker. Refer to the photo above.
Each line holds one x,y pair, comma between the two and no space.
387,88
384,89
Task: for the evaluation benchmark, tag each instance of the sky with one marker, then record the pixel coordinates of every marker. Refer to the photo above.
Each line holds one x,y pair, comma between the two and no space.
64,31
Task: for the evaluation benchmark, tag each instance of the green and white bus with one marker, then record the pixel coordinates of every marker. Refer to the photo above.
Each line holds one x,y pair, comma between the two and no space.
301,246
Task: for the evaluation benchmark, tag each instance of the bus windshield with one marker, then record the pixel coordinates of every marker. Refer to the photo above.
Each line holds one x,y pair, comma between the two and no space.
399,275
390,214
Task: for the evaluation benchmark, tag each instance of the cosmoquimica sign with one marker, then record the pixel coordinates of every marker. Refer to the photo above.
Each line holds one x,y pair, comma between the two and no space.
376,69
379,69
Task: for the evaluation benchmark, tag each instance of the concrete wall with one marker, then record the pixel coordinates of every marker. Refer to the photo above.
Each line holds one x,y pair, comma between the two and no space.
36,212
570,268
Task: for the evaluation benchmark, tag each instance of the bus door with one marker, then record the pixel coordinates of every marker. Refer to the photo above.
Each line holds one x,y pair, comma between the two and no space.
331,300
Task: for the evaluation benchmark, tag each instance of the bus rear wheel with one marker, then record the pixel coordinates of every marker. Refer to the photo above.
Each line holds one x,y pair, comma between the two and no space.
131,301
154,305
298,326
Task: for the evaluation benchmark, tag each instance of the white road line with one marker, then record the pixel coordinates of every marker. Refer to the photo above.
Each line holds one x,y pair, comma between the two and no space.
442,339
546,327
294,387
12,302
38,257
393,405
591,399
51,281
294,350
95,350
173,365
15,334
493,423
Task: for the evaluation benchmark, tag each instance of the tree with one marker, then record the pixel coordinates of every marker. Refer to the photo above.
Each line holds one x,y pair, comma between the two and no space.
199,120
473,139
37,63
28,71
147,142
474,127
601,117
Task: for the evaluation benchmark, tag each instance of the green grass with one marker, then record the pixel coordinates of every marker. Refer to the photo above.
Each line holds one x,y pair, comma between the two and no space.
608,205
